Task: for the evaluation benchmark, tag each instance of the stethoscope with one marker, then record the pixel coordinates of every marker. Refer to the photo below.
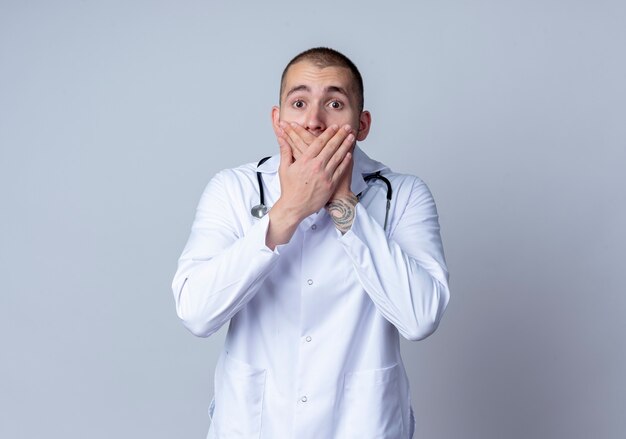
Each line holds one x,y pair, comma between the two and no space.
260,210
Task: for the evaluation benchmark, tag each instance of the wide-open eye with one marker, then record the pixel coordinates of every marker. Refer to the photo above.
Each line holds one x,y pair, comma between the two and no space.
298,104
336,105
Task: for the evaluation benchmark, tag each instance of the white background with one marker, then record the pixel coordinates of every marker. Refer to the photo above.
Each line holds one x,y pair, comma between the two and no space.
114,115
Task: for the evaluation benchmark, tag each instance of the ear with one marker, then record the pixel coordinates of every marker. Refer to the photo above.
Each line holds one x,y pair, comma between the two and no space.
365,122
276,120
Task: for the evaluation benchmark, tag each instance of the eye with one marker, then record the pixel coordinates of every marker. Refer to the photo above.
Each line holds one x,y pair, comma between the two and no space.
298,104
336,105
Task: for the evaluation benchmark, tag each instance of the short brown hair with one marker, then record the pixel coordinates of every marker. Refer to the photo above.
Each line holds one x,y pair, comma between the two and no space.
325,57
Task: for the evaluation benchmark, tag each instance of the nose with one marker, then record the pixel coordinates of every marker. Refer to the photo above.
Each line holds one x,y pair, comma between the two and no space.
315,121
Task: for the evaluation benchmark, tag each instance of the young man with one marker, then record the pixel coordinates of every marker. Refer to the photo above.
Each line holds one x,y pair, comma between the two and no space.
317,291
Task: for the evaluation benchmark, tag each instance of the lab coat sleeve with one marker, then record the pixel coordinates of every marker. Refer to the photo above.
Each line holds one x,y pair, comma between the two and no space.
404,274
224,262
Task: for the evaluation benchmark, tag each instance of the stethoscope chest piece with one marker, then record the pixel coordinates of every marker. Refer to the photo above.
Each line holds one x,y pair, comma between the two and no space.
259,211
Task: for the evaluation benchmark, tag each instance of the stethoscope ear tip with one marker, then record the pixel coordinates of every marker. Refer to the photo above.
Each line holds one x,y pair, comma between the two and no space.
259,211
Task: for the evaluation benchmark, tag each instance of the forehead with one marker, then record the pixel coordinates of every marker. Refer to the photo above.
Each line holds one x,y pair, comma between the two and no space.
317,78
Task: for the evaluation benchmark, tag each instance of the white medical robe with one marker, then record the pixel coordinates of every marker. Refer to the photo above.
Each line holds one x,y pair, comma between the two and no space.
312,350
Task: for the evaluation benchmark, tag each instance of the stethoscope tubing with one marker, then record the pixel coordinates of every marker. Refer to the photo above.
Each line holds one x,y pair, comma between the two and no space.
378,176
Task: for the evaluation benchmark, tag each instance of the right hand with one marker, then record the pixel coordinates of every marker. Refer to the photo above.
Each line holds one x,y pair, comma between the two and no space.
308,183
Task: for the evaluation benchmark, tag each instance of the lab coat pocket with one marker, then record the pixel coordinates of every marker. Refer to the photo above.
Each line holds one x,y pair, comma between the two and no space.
239,401
371,405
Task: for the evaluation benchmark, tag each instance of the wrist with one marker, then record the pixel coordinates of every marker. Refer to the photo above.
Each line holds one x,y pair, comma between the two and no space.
287,216
342,211
282,225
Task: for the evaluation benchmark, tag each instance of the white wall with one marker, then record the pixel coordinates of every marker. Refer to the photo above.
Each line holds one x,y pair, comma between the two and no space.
114,115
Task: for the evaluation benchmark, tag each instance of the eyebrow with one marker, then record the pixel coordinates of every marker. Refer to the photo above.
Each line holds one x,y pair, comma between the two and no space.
335,89
329,89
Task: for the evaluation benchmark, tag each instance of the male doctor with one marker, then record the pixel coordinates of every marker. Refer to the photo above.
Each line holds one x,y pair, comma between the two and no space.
317,291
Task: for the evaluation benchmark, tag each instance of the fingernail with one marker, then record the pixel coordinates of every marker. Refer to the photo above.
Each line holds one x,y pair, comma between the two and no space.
351,137
282,124
293,124
348,128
